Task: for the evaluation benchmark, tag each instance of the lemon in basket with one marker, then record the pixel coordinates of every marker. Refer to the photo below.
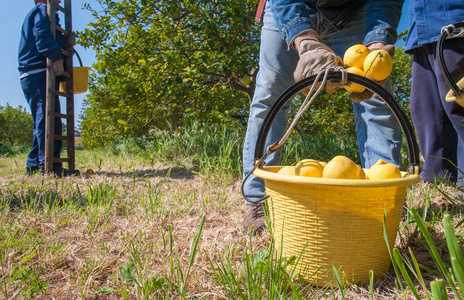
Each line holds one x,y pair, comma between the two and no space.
341,167
287,170
383,171
309,168
361,173
322,163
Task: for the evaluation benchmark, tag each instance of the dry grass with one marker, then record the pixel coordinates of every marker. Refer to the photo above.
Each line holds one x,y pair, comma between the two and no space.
77,234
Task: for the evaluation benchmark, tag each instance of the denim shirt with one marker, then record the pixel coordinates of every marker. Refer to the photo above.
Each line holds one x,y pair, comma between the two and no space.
37,42
427,18
381,17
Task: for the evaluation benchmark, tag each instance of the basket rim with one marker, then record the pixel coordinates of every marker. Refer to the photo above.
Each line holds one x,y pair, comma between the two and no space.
269,173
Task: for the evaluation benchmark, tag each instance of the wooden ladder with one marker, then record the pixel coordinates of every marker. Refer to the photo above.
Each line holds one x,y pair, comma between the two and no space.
53,92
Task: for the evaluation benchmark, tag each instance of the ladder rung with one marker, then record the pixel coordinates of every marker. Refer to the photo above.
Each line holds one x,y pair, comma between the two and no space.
61,30
62,94
61,8
66,53
61,159
60,137
63,116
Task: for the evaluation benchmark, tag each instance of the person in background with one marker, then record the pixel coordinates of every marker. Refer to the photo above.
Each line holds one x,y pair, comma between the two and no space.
36,45
439,124
300,38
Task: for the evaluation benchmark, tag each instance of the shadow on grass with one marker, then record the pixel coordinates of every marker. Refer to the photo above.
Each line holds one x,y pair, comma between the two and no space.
168,172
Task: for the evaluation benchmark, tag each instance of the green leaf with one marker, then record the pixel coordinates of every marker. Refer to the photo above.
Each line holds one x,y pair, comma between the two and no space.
438,289
400,263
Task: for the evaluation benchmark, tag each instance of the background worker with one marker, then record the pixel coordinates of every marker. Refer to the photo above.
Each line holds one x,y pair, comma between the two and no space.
439,124
36,45
299,39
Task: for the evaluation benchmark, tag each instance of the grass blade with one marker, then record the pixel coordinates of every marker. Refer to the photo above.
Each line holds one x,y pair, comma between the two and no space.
399,261
438,290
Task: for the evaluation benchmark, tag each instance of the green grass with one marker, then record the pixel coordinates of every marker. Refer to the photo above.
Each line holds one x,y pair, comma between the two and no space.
160,219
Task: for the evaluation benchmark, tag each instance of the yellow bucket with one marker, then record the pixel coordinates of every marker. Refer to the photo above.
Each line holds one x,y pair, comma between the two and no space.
80,80
335,222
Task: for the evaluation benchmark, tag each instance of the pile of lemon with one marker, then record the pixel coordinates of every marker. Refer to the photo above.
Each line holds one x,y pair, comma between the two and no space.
341,167
358,59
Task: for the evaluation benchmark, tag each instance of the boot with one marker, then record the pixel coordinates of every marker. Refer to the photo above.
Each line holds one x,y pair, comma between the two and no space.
255,218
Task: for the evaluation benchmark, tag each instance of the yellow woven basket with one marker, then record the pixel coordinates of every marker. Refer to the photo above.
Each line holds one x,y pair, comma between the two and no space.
80,82
335,222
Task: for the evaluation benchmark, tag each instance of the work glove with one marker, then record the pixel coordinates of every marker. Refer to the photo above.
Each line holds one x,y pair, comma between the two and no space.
367,94
58,67
314,58
72,39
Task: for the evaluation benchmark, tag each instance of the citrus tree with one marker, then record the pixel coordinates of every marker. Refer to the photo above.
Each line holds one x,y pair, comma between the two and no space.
163,63
15,126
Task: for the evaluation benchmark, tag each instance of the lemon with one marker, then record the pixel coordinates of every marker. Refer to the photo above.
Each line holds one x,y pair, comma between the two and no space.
380,162
246,80
361,173
287,170
383,171
378,65
355,88
308,168
341,167
322,163
355,56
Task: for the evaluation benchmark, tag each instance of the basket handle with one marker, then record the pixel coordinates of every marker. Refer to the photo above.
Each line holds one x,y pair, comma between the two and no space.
287,95
78,57
448,31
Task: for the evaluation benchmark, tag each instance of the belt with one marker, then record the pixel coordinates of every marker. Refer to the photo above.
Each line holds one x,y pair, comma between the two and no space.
259,12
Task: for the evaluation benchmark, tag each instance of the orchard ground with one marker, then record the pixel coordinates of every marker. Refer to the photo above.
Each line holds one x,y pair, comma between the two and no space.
132,228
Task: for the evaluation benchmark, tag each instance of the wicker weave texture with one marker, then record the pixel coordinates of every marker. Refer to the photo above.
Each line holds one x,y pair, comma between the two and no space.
335,226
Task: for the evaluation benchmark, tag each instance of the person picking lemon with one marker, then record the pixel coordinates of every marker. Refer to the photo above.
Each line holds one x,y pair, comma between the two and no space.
300,38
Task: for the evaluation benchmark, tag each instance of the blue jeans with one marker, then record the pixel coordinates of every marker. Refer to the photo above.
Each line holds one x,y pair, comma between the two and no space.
34,88
378,132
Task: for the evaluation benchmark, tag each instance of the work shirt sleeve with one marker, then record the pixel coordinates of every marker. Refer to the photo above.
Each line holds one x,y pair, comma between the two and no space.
381,21
292,17
44,39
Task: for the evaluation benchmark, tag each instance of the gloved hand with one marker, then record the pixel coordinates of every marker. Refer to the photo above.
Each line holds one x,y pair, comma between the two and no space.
58,67
367,94
314,58
72,39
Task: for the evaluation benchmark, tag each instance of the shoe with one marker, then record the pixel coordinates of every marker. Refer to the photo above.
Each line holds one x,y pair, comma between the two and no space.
255,218
66,172
31,170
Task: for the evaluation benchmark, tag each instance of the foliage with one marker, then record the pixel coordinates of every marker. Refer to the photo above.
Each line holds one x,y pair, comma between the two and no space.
15,126
453,273
162,64
213,147
14,150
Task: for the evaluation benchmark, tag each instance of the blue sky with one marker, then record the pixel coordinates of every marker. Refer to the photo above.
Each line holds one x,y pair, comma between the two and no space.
11,20
12,17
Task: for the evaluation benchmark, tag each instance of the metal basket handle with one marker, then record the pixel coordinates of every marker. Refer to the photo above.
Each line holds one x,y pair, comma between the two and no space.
78,57
287,95
448,31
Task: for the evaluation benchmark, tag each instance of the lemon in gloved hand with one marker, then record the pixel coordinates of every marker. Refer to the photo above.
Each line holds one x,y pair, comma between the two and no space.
355,56
314,58
378,65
